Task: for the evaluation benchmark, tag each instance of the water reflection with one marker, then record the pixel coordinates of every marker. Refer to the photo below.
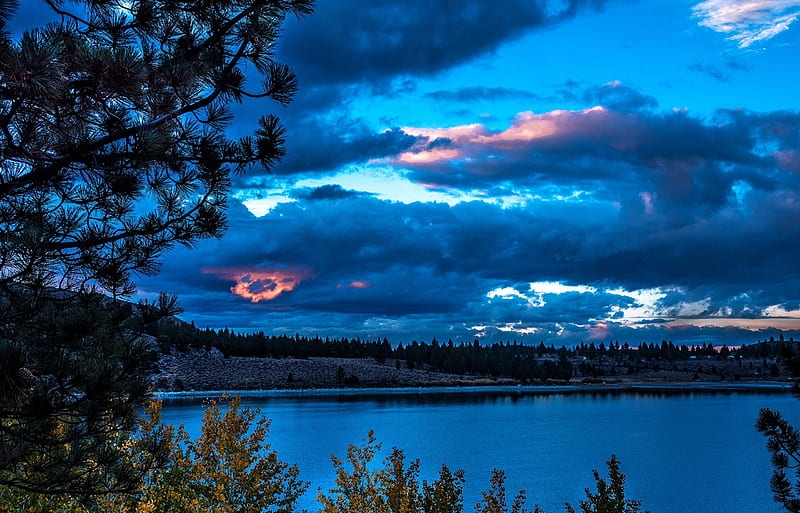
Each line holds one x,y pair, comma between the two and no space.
484,395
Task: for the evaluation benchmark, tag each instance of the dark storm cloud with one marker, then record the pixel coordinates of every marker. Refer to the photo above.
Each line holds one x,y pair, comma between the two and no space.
317,146
352,41
408,258
331,147
782,127
568,307
321,134
363,257
349,47
326,192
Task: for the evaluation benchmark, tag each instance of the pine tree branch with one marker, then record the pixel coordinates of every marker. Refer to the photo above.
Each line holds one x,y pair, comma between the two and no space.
131,232
44,174
70,15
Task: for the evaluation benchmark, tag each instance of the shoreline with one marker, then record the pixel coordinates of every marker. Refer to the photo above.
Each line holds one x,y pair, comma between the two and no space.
710,386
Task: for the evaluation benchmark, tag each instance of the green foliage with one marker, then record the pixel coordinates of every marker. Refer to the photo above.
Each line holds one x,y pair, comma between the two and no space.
228,468
113,149
494,499
610,495
395,488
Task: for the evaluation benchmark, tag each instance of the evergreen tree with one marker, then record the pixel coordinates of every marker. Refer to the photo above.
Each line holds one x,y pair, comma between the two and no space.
783,443
112,150
610,495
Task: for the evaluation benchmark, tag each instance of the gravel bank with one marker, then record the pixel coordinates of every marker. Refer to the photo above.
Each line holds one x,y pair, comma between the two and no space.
210,370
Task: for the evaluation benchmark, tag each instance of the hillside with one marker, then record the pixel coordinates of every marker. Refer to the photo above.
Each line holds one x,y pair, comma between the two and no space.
299,363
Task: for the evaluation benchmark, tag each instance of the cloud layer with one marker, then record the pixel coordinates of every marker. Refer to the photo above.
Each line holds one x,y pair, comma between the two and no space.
408,270
607,213
383,38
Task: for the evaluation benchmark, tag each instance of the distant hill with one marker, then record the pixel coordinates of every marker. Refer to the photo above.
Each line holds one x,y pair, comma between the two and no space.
190,353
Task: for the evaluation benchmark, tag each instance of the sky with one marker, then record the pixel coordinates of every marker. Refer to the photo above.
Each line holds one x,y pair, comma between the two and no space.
556,171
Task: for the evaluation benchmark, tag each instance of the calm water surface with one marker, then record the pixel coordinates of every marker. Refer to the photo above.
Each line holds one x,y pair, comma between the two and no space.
683,451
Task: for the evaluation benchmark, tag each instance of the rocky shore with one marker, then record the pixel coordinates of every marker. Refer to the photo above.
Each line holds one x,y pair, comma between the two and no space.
199,369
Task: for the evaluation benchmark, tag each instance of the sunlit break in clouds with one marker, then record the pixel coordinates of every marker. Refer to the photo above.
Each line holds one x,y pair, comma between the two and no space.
263,285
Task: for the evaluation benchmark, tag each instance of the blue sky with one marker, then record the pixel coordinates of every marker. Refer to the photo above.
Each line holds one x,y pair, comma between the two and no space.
520,170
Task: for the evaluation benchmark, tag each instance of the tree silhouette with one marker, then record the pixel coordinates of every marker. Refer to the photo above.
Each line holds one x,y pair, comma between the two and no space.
610,495
783,443
113,149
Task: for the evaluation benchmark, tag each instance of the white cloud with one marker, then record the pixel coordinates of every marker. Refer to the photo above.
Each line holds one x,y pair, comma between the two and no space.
262,206
537,290
645,305
781,311
748,21
518,327
505,293
556,287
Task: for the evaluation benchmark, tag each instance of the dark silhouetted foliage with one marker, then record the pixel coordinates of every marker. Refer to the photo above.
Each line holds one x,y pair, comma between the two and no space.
112,150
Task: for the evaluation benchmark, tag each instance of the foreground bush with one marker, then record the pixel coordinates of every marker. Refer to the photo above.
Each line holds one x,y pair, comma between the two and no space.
395,488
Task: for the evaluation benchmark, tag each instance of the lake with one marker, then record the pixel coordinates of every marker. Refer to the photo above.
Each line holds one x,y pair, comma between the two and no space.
687,450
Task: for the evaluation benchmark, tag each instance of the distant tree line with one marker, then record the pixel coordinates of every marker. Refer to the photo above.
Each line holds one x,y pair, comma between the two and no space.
522,362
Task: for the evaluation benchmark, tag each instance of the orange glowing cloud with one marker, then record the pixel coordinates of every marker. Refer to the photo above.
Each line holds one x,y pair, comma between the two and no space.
261,285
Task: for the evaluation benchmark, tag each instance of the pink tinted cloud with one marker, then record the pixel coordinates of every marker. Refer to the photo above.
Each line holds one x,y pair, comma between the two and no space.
527,131
528,126
450,141
458,134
